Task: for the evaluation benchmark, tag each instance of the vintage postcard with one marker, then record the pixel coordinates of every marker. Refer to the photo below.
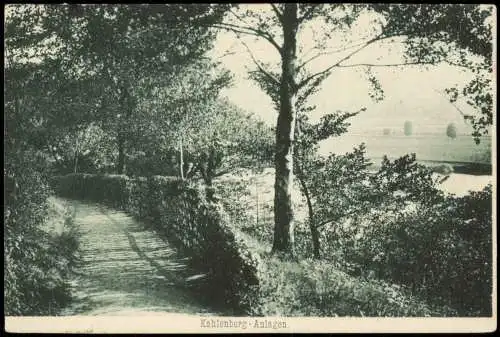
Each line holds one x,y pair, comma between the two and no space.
250,168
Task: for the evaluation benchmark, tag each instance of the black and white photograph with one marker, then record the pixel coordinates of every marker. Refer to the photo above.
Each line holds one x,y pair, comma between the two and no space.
250,167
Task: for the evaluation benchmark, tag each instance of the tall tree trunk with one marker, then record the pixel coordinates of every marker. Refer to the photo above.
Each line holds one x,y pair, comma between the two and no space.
120,168
127,104
283,208
181,158
312,223
210,174
75,168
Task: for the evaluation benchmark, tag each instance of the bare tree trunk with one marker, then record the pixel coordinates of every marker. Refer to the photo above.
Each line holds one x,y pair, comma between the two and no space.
285,127
181,158
76,162
312,223
120,169
257,203
76,157
127,107
210,173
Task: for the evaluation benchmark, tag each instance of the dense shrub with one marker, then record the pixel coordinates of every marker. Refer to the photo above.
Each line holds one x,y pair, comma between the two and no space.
404,230
316,288
154,162
401,227
37,262
442,251
180,212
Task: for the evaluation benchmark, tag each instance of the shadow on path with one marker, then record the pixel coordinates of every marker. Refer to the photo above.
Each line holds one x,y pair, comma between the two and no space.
127,269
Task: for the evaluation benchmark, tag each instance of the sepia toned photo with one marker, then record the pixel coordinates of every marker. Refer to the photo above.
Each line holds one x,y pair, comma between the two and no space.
250,168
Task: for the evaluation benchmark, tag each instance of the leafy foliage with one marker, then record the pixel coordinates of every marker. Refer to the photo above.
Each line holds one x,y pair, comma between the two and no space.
97,88
173,114
101,53
396,224
36,273
231,140
478,95
441,251
312,288
37,263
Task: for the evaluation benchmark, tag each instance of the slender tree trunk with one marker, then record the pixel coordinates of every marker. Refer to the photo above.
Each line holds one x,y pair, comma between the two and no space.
283,208
75,169
257,203
312,223
76,157
210,174
181,158
127,107
120,169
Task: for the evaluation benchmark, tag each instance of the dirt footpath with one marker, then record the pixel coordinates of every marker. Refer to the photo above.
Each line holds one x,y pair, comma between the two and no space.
127,269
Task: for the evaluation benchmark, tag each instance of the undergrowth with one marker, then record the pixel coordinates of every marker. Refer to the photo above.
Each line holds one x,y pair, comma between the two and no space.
39,263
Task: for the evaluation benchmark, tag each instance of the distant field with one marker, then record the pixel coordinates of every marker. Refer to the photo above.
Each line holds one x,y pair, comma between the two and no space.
432,148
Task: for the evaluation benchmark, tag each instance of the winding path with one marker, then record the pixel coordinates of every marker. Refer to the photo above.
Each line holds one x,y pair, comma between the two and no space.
127,269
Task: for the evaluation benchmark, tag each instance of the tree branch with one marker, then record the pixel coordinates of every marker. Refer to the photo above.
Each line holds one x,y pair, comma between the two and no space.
384,65
261,69
327,53
452,103
323,223
394,64
250,31
237,16
345,58
279,15
218,57
221,173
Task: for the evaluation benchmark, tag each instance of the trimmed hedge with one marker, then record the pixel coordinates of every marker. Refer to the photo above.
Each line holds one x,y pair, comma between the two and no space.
110,189
179,211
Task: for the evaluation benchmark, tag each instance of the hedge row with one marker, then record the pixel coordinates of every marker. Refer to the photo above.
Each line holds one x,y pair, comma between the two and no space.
179,211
